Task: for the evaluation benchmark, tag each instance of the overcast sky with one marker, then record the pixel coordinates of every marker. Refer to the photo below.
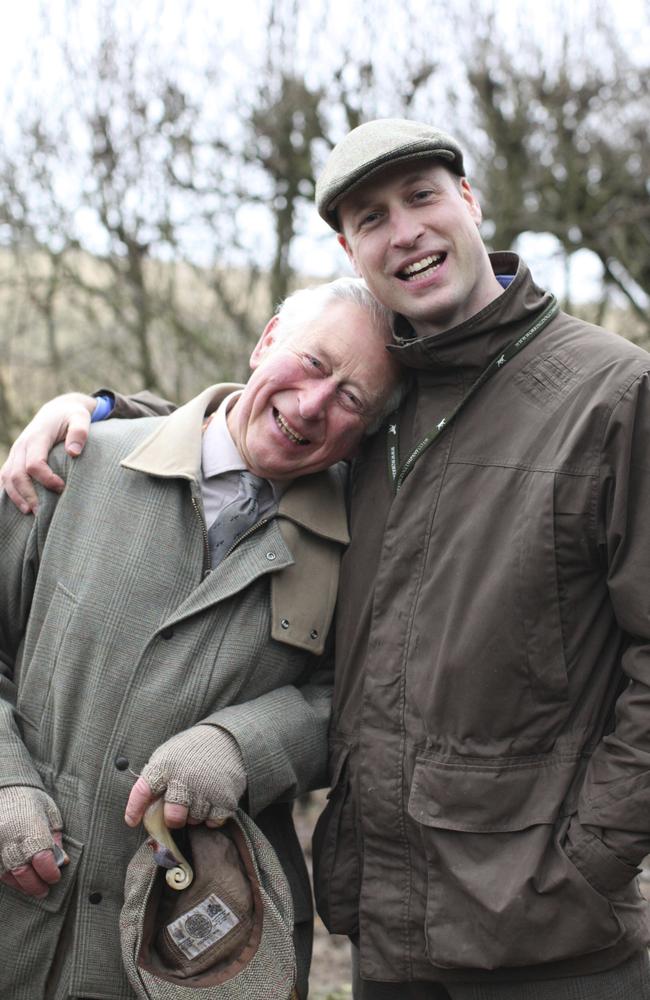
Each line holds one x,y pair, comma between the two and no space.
167,20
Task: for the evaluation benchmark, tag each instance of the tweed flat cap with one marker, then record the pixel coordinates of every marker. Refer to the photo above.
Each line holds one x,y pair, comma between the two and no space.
370,147
227,936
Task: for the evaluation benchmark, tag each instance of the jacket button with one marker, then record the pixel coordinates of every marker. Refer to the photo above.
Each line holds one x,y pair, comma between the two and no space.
285,623
121,763
270,556
313,634
167,633
94,898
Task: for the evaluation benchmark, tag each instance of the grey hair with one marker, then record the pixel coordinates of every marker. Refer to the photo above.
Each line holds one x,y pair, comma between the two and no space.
307,304
392,403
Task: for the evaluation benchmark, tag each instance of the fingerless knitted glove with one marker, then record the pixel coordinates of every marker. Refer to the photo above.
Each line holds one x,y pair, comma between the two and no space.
201,768
28,818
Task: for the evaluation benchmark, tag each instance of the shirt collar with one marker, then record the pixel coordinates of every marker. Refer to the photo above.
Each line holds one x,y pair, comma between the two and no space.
218,451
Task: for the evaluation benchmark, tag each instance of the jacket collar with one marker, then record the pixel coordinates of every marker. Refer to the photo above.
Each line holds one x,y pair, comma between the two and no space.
472,345
173,451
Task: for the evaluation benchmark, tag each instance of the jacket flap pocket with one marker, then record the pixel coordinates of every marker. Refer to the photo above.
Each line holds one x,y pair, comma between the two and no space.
488,795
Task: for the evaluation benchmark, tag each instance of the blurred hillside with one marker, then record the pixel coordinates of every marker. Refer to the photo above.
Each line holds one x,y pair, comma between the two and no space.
81,343
59,332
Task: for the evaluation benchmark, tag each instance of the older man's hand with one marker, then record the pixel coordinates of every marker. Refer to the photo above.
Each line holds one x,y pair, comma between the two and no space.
30,827
66,418
201,773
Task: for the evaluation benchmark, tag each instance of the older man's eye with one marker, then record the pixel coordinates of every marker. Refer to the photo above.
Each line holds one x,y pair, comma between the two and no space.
312,362
350,401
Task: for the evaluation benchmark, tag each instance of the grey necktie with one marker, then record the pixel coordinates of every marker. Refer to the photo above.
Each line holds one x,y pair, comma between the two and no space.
236,517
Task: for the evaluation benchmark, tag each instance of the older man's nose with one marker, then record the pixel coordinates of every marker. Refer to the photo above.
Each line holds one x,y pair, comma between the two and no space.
314,399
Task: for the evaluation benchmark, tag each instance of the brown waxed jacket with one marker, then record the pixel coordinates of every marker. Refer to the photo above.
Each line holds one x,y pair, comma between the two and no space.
489,807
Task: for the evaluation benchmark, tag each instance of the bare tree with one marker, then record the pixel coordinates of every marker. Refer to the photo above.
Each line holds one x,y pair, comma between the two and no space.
565,150
102,226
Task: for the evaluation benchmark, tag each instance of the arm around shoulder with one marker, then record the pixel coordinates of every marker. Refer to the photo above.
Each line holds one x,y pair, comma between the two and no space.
140,404
64,418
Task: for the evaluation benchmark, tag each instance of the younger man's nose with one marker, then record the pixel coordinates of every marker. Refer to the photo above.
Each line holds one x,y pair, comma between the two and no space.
405,228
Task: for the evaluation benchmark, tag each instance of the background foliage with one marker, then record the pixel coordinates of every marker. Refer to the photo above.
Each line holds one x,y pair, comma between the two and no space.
156,182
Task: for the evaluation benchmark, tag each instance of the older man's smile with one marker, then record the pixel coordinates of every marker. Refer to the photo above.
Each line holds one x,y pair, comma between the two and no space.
287,430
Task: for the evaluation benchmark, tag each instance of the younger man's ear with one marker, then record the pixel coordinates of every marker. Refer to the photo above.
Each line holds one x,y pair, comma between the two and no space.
266,341
346,246
471,201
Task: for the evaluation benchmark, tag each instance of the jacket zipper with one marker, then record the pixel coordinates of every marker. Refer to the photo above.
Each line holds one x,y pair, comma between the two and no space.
206,545
247,533
204,531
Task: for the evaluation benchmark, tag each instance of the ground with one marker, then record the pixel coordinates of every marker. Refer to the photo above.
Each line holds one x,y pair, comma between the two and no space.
330,968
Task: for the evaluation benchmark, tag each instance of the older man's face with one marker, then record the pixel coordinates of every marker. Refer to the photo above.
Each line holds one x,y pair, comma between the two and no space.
312,394
412,234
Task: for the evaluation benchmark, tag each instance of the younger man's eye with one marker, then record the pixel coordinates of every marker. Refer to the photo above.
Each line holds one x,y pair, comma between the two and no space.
369,219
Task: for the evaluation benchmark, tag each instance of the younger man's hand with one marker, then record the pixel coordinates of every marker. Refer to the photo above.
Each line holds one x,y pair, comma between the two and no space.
66,418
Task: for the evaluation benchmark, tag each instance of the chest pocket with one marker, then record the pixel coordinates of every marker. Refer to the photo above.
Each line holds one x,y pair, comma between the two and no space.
538,588
42,654
488,628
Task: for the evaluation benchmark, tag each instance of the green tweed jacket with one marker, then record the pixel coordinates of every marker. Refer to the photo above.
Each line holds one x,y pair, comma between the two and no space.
115,634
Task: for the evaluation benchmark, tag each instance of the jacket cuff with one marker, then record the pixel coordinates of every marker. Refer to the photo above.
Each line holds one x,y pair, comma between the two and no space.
283,743
139,404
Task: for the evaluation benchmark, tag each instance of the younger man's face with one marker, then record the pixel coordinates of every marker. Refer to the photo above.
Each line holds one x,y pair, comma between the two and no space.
412,233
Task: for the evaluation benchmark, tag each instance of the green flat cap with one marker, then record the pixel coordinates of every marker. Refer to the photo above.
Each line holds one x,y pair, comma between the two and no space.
370,147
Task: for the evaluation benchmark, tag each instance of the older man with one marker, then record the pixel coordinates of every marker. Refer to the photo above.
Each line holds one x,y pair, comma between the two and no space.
142,630
490,746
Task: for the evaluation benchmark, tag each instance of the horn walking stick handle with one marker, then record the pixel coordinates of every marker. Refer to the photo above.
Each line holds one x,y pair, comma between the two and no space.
179,874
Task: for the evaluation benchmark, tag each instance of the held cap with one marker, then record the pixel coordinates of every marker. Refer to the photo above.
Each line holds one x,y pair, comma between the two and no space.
227,936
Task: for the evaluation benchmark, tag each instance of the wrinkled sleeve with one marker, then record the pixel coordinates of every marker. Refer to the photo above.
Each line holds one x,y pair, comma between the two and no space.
140,404
283,736
21,541
615,798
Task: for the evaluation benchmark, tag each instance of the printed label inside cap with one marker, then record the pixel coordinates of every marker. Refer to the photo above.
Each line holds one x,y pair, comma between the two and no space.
201,927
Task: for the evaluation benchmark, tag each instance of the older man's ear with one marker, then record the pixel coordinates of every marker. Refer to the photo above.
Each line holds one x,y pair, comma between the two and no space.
266,341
